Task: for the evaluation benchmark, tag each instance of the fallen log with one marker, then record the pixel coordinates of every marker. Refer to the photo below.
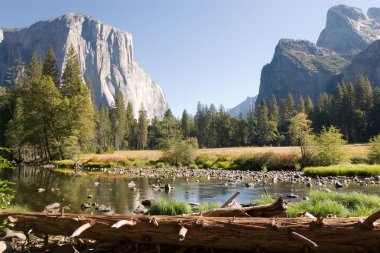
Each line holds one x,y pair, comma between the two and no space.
239,234
278,208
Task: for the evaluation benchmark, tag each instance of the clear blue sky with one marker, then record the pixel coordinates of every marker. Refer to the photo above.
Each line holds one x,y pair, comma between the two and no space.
197,50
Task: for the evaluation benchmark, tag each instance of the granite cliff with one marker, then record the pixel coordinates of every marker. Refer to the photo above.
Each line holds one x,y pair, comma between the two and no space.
346,48
105,53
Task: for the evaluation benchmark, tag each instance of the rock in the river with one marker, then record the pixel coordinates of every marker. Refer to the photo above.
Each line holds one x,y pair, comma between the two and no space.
292,196
131,184
103,208
147,202
52,208
338,184
140,210
250,184
85,206
105,55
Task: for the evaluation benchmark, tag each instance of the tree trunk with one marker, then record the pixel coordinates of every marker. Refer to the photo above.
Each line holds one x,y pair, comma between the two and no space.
237,234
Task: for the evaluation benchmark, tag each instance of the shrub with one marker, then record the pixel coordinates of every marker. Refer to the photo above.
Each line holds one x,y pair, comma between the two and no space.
160,165
330,147
173,207
374,150
6,193
181,152
203,161
269,161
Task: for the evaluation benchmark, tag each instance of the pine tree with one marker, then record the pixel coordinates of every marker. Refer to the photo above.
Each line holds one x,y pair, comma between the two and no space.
309,106
50,67
103,130
77,100
301,105
289,110
34,70
131,126
142,129
186,124
262,123
72,81
118,119
273,109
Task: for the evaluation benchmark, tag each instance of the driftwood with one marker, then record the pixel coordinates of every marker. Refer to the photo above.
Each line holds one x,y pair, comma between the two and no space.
278,208
239,234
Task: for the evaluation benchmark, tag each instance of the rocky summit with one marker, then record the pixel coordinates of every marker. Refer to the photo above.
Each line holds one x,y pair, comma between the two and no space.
105,53
347,47
301,68
349,30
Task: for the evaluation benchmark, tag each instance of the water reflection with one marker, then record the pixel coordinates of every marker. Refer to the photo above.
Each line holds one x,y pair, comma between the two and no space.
114,192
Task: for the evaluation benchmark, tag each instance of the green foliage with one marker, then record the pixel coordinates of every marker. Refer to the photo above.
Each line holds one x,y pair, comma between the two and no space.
330,147
264,200
322,203
119,122
206,206
64,163
6,193
173,207
142,140
181,152
269,161
374,150
363,170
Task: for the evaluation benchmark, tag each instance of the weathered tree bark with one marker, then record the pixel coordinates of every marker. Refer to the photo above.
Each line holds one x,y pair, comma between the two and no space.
278,208
239,234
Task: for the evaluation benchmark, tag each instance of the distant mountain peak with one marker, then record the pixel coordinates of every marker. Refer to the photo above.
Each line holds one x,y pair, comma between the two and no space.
105,54
243,108
349,30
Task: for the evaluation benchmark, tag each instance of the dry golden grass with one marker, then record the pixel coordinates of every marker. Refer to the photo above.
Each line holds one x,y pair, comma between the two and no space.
123,156
357,150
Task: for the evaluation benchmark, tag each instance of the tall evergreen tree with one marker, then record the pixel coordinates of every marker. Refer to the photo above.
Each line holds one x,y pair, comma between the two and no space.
142,129
79,109
103,130
118,119
301,105
50,67
273,109
309,106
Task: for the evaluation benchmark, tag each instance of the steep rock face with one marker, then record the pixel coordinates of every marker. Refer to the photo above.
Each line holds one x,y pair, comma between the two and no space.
105,53
366,63
301,68
243,108
349,30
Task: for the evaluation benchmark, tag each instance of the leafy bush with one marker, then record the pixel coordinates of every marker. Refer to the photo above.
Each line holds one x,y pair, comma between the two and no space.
269,160
374,150
330,147
6,193
181,152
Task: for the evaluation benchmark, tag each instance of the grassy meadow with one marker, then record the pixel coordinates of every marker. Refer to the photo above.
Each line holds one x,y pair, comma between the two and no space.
352,151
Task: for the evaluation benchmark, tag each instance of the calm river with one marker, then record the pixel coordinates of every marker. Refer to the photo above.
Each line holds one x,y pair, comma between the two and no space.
114,192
